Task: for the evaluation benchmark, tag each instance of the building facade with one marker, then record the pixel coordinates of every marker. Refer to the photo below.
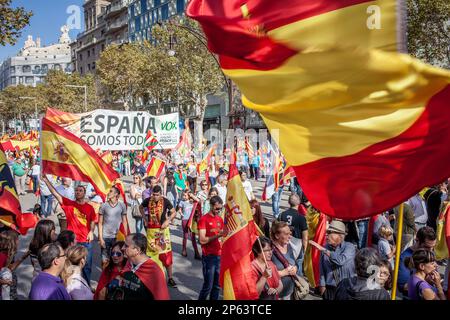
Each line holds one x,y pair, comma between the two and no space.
144,14
33,62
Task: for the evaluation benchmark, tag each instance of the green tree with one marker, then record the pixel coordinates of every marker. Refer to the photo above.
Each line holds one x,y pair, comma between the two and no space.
197,72
12,21
429,31
119,72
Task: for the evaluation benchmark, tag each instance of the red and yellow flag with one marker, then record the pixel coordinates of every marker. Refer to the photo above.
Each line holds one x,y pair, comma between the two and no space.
155,168
237,245
204,164
317,226
363,126
66,155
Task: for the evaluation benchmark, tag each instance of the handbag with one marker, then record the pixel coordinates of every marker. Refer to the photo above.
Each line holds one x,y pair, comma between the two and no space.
135,212
301,286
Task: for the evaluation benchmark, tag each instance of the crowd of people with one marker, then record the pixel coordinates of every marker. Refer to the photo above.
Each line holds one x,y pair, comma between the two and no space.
356,262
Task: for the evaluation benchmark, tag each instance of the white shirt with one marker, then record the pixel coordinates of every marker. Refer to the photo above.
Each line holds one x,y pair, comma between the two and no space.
248,189
222,192
78,288
419,208
35,170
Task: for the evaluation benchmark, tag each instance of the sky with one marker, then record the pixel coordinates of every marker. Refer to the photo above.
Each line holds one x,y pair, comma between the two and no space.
49,16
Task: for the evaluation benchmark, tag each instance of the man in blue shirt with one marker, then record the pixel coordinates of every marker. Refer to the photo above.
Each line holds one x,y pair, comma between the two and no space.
47,285
425,239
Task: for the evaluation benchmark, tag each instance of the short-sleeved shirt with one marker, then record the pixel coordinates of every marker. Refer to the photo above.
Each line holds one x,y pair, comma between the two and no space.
18,169
296,222
213,225
167,206
416,287
248,189
384,249
180,180
134,289
79,218
186,208
112,217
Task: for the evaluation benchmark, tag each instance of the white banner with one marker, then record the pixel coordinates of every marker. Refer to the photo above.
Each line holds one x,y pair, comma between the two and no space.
123,130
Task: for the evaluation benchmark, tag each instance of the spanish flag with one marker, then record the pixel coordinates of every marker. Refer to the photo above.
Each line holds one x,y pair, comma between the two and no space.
317,226
66,155
10,210
155,168
364,126
204,164
237,245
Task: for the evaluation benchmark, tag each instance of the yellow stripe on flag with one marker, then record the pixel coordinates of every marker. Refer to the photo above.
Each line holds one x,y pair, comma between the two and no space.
228,291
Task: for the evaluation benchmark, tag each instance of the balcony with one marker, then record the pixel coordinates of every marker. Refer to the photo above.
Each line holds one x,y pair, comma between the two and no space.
116,25
116,8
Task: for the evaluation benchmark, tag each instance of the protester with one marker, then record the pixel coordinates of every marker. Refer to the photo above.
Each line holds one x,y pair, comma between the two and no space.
186,207
180,180
47,285
361,287
9,243
385,275
20,174
425,239
419,208
261,222
433,199
34,172
169,188
142,278
425,282
160,214
276,198
265,273
136,190
150,183
296,222
409,225
76,285
192,175
221,187
247,186
213,171
112,213
44,233
203,195
211,228
111,273
46,199
337,260
80,219
66,239
385,249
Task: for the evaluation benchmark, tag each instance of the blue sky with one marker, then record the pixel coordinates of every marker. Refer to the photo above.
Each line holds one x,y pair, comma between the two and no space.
49,16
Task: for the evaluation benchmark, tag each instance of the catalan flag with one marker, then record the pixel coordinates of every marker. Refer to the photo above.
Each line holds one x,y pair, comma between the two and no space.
364,126
237,245
66,155
184,146
10,211
249,148
155,167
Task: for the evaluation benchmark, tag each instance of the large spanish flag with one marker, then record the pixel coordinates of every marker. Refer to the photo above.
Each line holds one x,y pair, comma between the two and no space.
66,155
364,126
155,167
235,260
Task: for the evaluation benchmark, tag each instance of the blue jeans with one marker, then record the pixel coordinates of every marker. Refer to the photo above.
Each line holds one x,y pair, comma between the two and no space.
139,224
276,198
35,183
211,272
46,205
88,267
363,229
212,180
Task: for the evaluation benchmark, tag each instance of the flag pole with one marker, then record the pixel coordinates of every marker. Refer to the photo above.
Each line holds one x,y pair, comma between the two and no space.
397,251
262,252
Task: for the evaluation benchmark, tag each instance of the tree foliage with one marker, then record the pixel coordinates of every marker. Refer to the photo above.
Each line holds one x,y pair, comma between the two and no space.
429,31
12,21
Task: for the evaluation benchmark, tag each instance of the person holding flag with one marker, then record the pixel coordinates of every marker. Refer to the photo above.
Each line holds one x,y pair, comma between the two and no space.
80,219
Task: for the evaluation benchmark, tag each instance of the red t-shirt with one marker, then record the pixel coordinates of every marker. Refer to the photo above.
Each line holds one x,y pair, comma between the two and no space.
3,258
79,218
212,225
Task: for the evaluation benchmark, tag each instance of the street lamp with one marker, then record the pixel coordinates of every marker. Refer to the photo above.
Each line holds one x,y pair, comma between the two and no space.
202,39
85,93
35,105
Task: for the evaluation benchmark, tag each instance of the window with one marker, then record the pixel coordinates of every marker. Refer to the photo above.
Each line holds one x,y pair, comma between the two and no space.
180,6
93,51
93,65
20,80
81,70
37,69
29,80
12,70
138,24
57,67
144,5
165,11
26,69
81,57
89,53
156,2
44,68
13,80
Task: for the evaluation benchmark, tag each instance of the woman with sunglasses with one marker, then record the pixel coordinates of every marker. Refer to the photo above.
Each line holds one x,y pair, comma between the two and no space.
264,272
136,190
425,282
116,264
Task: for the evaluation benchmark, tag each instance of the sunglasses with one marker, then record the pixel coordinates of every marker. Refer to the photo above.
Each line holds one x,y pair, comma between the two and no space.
218,209
116,254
